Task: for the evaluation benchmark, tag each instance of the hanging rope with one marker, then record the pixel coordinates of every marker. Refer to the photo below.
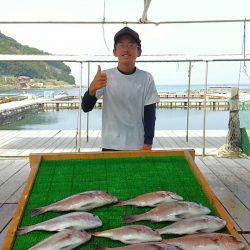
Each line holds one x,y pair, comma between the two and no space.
243,51
144,18
244,46
103,30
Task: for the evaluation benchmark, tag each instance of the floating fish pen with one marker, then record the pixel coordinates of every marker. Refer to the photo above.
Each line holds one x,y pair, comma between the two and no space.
163,103
123,174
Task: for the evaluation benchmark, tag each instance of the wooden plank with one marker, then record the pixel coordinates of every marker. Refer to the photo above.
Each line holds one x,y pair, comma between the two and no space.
11,170
19,143
13,184
226,197
167,140
6,135
37,142
14,198
9,239
211,195
89,146
230,180
2,236
5,163
247,238
6,212
236,169
71,145
193,142
61,145
244,162
15,137
229,200
211,145
97,143
50,145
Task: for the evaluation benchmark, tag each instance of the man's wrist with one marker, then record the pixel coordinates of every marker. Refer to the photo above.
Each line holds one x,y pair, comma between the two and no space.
91,92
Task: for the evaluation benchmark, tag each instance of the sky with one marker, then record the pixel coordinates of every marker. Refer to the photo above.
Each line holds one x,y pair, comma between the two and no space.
188,39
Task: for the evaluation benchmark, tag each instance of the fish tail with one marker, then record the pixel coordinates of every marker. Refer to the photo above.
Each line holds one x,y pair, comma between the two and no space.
37,211
131,218
95,233
121,203
24,230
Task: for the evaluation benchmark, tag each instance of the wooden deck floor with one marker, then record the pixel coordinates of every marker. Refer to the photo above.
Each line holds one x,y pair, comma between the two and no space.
23,142
229,178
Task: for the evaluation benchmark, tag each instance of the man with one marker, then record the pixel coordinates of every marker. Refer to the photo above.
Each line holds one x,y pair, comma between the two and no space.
129,98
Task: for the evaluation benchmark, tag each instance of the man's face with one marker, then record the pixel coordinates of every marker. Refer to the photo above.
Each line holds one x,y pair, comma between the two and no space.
126,50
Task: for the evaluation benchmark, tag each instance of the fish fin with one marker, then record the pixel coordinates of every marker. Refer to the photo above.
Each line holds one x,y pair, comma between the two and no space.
23,230
130,241
182,216
130,218
204,230
37,211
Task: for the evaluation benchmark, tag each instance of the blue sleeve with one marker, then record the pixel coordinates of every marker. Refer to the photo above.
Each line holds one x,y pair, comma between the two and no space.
88,102
149,123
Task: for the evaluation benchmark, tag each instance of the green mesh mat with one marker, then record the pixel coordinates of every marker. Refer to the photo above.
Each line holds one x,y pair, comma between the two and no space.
245,141
122,177
244,116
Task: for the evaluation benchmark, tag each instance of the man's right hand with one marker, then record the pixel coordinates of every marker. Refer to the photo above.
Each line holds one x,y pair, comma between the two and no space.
98,82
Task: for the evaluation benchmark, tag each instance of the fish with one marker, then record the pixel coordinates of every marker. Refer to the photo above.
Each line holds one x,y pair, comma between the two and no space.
130,234
144,246
173,211
74,220
201,224
66,239
151,199
79,202
211,241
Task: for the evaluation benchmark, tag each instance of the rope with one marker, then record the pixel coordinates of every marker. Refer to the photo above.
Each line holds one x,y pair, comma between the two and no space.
243,51
103,30
144,18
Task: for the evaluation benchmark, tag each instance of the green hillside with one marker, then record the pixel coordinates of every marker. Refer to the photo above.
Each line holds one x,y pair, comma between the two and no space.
39,70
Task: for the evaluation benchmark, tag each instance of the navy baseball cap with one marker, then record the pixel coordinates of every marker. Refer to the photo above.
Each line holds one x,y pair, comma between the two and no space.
130,32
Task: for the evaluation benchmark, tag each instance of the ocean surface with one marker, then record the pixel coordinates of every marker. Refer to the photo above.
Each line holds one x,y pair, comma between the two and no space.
160,88
167,119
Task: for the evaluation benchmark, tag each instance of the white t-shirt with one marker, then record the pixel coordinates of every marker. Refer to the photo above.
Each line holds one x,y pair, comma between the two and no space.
124,98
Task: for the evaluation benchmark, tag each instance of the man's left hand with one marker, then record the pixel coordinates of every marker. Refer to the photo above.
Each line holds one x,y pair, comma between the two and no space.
146,147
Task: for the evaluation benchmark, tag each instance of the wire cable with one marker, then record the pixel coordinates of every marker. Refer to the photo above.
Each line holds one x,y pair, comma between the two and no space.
103,30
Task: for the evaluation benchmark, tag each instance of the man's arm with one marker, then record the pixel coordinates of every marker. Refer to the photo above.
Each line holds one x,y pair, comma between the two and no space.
89,99
88,102
149,125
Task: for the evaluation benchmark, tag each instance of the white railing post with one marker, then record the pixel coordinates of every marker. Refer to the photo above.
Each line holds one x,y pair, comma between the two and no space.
80,113
205,112
188,103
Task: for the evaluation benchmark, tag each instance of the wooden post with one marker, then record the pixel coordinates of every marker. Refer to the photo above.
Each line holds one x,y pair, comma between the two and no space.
233,137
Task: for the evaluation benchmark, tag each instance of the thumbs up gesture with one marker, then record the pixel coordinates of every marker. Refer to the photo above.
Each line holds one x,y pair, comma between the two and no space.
99,81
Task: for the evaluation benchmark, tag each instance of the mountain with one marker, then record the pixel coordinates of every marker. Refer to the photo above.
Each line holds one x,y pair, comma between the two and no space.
40,70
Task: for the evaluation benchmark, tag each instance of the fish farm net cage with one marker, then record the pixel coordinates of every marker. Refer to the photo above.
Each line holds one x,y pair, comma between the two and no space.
123,177
244,116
